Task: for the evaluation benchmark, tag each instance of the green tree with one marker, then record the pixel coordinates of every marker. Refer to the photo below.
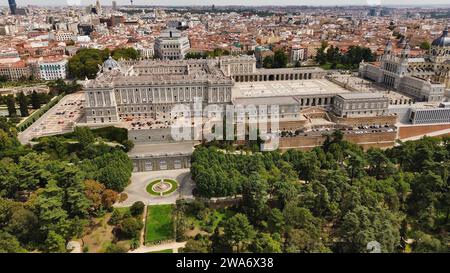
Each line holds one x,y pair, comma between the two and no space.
137,208
55,243
11,104
125,53
129,228
115,248
425,45
199,245
9,244
238,232
35,100
268,62
425,243
23,104
280,59
86,62
254,196
265,243
84,136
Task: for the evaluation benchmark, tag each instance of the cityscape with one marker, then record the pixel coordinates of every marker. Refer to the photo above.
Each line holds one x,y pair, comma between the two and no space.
134,127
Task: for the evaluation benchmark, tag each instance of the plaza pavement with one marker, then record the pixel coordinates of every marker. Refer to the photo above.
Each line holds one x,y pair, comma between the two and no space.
136,191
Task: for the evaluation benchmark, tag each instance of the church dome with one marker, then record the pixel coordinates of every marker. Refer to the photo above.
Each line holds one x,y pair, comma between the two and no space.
443,40
110,64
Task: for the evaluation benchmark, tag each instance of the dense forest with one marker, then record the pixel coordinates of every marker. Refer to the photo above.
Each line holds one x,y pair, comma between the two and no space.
50,192
334,198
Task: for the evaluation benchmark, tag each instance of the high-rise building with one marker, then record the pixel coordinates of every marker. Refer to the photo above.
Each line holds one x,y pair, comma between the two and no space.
114,5
12,6
98,7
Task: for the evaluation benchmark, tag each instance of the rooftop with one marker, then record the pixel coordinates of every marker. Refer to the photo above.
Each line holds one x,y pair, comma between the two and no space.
291,88
357,95
162,149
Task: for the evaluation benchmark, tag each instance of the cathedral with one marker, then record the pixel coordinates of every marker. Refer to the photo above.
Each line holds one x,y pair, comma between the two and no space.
423,78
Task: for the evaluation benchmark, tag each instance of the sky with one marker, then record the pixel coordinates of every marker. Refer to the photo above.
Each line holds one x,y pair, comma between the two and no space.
235,2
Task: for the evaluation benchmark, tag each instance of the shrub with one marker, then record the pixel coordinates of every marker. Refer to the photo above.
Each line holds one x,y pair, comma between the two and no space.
130,227
137,208
114,248
115,217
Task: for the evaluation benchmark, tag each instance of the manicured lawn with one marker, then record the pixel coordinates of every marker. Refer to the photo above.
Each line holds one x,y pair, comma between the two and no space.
172,182
159,225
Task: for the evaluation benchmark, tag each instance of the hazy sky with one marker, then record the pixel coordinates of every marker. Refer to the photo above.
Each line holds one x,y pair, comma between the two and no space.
235,2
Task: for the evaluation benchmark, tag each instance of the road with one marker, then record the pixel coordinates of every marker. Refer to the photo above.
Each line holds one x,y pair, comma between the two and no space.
145,249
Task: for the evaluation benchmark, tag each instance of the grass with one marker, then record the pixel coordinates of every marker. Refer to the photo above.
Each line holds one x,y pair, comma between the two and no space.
99,235
208,224
159,224
162,251
172,182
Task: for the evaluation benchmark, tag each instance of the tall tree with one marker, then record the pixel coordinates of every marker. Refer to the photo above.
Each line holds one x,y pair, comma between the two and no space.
238,232
23,104
11,104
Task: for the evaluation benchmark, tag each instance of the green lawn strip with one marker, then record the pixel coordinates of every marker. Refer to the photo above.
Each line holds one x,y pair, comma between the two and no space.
172,182
162,251
159,224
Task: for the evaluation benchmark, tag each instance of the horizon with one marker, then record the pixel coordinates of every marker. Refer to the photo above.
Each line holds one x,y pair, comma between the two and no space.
235,3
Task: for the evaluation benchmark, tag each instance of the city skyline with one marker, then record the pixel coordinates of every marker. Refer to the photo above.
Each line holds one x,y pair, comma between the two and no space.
239,3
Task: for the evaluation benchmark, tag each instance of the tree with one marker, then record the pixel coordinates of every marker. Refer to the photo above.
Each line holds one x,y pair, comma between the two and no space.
254,197
137,208
379,165
23,223
125,53
425,243
86,62
109,197
55,243
238,232
198,245
280,59
268,61
304,241
265,243
114,177
11,104
116,216
425,45
362,225
427,194
35,100
23,104
84,136
275,221
99,196
115,248
9,244
129,228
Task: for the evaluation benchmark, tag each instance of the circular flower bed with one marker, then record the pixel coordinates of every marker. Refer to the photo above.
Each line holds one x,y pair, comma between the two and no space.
157,188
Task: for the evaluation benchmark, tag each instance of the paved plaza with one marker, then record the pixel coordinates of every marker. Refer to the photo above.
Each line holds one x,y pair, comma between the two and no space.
136,191
58,120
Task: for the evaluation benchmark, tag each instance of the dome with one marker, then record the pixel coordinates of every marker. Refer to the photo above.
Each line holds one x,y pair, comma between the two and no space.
442,41
110,64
